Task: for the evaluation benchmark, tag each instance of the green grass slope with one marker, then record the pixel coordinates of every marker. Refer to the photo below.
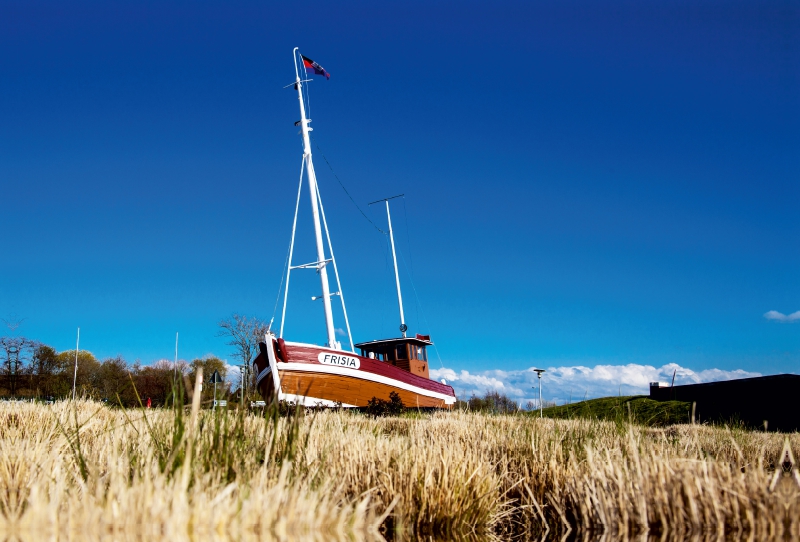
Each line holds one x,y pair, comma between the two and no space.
638,409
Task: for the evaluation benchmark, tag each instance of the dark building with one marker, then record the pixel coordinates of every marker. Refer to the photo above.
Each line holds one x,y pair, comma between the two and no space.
751,401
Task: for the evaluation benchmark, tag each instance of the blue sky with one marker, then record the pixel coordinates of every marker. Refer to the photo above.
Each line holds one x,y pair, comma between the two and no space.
586,183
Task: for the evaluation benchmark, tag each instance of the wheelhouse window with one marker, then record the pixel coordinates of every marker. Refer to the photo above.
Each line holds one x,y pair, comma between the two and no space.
401,352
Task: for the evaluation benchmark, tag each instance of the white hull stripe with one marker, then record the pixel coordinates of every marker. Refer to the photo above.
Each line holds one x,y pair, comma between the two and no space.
313,401
262,374
364,375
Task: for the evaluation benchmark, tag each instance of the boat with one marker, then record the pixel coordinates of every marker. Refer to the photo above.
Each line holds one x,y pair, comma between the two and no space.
329,376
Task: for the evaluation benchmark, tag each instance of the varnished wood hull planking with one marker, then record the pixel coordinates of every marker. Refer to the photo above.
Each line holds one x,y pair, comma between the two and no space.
301,375
344,389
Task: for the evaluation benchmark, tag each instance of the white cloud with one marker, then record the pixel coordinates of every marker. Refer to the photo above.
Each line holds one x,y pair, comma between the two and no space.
783,318
341,332
575,383
482,382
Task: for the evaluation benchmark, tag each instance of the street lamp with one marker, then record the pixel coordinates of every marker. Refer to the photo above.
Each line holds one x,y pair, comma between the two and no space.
539,374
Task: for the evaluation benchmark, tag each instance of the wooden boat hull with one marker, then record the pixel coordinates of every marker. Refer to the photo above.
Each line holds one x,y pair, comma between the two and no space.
318,376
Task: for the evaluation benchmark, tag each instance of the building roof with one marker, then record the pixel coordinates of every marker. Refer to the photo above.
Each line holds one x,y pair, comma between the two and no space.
767,379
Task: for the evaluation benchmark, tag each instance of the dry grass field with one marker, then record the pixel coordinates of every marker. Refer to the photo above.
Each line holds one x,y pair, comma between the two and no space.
77,470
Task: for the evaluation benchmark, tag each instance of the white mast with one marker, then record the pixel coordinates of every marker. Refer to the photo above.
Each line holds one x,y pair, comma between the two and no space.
403,327
312,186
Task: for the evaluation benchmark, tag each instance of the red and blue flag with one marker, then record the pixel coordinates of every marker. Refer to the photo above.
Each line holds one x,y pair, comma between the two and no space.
313,68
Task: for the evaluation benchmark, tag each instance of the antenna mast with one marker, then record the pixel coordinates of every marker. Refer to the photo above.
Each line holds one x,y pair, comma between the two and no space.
403,326
321,262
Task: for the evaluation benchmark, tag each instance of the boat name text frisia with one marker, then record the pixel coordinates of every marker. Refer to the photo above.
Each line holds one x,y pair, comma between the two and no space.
326,358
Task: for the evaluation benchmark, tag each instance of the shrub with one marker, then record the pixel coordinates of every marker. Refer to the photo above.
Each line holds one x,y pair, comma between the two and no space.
492,403
380,407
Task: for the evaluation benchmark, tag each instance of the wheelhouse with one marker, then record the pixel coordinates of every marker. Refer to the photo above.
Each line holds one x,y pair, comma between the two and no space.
409,353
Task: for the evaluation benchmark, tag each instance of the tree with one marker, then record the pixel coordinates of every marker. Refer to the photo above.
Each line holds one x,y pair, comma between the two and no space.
182,368
51,372
244,333
156,381
493,402
45,361
88,367
113,379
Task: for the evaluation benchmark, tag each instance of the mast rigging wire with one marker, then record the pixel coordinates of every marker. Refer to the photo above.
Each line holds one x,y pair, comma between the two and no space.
280,289
335,270
308,98
386,295
345,189
291,246
427,325
411,259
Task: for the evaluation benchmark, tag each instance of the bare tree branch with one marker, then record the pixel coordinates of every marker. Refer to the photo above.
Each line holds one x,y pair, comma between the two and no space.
244,334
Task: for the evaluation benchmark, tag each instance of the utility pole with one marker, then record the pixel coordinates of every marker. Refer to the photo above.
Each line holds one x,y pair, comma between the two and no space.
539,374
243,384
